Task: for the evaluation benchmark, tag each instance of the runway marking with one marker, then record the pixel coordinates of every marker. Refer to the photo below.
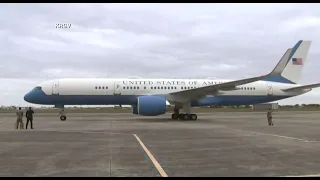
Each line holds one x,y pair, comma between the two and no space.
308,175
89,132
287,137
154,161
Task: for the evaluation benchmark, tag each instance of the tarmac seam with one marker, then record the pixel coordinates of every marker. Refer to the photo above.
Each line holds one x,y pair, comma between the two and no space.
152,158
275,135
308,175
87,132
110,152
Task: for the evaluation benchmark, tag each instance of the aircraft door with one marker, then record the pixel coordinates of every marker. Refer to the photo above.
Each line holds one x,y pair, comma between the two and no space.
270,90
55,88
117,88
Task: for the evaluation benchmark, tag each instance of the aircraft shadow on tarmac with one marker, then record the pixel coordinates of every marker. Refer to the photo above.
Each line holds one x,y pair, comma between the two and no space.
150,120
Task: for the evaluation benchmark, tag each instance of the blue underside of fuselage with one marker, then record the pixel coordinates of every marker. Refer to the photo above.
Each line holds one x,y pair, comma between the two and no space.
38,97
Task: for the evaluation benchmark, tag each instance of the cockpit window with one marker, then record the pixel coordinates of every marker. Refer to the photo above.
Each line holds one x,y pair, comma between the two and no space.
38,88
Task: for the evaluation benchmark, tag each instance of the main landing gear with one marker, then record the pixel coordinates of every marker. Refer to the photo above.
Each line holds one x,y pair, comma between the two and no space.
184,116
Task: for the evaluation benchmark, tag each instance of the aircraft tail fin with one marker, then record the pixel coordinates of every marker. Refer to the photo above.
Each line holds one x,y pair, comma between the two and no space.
297,58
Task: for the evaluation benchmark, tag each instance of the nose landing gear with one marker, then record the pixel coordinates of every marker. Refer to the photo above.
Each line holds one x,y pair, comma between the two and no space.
62,114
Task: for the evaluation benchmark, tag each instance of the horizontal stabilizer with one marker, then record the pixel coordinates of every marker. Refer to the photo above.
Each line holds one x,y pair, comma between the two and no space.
305,87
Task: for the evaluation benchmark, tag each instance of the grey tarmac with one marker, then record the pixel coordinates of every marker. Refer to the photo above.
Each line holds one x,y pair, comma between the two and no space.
217,144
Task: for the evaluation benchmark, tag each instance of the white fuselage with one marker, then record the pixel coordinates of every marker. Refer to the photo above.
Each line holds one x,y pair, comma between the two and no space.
104,91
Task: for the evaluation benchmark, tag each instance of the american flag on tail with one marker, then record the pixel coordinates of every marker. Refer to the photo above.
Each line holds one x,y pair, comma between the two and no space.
297,61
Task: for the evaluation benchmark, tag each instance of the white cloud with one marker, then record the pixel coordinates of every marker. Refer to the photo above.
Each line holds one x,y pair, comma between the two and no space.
228,41
303,22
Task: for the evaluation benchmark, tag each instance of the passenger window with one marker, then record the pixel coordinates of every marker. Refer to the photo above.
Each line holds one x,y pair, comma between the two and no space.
99,87
151,87
175,87
158,87
134,87
106,87
138,87
181,87
102,87
96,87
130,87
145,88
165,87
124,87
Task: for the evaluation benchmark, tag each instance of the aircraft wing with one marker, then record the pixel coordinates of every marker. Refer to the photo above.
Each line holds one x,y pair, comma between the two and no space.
305,87
231,85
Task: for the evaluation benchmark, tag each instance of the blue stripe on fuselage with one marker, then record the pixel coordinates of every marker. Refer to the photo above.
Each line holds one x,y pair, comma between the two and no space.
278,79
39,97
236,100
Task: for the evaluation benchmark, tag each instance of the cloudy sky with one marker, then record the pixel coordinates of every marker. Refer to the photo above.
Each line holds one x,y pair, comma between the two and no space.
151,40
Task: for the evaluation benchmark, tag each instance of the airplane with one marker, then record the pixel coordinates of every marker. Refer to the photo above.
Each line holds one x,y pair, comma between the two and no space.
151,97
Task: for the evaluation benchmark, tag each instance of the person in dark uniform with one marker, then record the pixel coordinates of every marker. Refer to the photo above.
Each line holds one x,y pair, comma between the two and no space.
29,116
269,116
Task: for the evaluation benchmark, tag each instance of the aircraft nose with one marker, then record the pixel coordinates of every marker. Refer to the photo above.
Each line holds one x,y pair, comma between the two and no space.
27,97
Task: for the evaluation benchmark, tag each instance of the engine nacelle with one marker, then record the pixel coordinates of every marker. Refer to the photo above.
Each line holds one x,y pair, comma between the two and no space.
150,106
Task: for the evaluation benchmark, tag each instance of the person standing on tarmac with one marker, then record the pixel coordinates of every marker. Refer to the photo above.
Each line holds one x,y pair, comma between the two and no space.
29,116
269,116
19,122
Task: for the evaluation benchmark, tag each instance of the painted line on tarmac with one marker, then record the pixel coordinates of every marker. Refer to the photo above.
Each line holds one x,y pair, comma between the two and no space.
88,132
154,161
275,135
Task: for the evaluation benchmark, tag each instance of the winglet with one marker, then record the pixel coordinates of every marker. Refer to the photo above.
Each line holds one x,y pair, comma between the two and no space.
281,64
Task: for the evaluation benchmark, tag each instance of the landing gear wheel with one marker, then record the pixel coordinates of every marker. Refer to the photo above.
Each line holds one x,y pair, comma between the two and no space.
181,116
186,117
63,118
174,116
193,117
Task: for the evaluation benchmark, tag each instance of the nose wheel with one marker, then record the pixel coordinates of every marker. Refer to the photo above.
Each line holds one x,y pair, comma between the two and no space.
63,118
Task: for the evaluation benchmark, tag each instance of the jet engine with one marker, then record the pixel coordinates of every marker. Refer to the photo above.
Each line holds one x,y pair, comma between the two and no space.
150,106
